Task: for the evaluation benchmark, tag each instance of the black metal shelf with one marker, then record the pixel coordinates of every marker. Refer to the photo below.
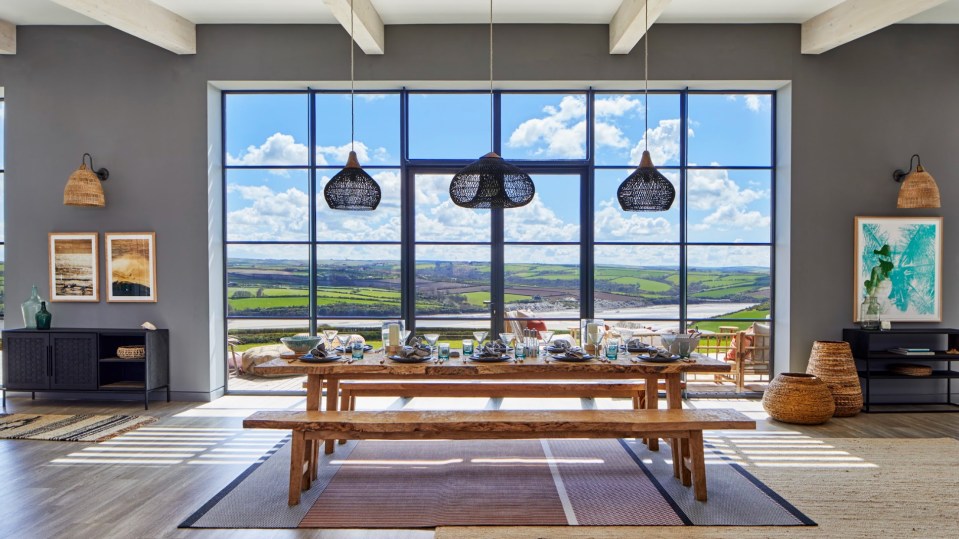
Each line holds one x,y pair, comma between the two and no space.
938,356
121,360
936,375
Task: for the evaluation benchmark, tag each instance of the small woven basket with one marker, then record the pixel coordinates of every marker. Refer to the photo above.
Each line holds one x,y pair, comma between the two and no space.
798,398
910,369
137,351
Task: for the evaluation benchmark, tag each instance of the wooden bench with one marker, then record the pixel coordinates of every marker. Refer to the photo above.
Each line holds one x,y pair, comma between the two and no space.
686,425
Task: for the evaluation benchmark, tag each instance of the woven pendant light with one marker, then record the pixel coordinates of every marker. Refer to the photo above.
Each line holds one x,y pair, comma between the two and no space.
919,189
646,189
491,182
352,188
83,187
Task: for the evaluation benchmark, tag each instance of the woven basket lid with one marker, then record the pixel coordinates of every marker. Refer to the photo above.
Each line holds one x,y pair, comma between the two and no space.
84,189
919,190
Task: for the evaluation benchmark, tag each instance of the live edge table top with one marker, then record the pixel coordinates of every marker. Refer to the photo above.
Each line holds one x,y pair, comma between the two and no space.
376,366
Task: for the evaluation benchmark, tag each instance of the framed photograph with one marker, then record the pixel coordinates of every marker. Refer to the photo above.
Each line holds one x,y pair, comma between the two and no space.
131,267
899,263
74,266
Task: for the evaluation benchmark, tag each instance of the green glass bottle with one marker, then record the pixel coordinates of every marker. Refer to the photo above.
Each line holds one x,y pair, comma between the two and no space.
43,316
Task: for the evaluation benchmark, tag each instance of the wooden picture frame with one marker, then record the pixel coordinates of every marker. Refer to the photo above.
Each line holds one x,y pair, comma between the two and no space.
74,266
131,267
910,287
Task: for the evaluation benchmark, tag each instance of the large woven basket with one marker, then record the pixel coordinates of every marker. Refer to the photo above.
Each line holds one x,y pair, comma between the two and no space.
137,351
832,362
799,398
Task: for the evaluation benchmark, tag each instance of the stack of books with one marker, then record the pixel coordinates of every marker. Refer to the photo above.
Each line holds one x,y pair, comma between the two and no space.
912,351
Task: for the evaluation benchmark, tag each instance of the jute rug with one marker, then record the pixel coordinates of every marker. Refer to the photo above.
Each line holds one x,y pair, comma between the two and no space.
68,428
852,487
426,484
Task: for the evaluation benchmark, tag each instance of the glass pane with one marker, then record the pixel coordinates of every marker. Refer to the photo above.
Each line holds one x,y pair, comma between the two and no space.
358,280
636,281
3,116
553,214
438,219
452,331
615,225
3,281
368,330
619,126
3,227
544,126
377,129
449,126
452,280
267,129
728,282
543,279
382,224
730,129
267,205
269,281
729,205
647,331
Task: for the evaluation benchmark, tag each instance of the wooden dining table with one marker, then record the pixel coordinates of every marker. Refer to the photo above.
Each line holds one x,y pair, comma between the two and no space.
376,366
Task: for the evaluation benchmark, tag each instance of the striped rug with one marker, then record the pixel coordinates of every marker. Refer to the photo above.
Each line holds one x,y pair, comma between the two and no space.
68,428
426,484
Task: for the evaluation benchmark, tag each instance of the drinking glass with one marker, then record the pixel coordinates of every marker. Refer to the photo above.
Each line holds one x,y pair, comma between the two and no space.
444,351
520,351
612,349
547,337
330,334
357,350
467,347
346,341
405,333
507,338
626,334
431,338
480,335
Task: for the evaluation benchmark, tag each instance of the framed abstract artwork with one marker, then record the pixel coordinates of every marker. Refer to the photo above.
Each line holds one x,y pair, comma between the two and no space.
131,267
899,265
74,266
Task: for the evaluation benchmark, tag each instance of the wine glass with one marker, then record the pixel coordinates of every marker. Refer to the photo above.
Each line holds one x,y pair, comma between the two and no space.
345,341
330,334
547,337
480,335
595,339
431,338
405,334
626,334
507,338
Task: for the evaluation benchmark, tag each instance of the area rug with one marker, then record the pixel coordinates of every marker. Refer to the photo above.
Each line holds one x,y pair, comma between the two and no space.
68,428
426,484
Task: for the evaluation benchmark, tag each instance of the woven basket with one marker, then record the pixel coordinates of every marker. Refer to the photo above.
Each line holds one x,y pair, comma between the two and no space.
137,351
83,189
798,398
910,369
832,362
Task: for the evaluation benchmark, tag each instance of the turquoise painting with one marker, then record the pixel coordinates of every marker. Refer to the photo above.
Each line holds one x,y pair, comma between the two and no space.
898,261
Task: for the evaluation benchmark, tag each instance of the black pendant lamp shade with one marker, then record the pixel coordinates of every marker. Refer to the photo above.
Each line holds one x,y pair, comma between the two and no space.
491,182
646,189
352,188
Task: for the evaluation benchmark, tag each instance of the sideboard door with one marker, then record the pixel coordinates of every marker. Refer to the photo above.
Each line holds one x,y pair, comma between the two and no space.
74,360
25,361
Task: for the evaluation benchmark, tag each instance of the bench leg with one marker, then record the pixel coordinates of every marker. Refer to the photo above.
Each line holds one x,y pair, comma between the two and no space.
297,458
345,399
652,403
674,401
697,459
684,454
332,392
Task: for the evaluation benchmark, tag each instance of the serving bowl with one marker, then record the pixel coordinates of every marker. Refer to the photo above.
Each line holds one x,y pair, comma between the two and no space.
301,344
680,345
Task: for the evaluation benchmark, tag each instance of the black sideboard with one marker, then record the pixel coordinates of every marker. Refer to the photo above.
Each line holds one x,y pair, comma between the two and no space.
81,360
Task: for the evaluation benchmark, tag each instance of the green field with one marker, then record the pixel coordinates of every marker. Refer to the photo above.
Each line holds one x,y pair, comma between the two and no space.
477,298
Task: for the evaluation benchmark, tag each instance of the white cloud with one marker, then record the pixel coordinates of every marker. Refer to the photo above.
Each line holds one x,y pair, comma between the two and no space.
732,256
713,190
272,215
562,130
613,224
610,135
617,106
753,102
370,97
278,149
537,222
339,154
663,143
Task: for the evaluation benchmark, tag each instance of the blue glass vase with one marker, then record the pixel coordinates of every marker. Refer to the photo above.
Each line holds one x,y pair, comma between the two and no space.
43,316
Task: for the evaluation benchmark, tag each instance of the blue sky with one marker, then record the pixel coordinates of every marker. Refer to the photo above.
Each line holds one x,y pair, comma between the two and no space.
724,205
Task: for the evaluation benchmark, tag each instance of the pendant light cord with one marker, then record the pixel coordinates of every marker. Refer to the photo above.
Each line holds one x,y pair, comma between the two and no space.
352,100
492,146
645,77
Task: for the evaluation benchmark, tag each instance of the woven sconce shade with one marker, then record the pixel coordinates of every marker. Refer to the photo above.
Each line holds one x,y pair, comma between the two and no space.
491,182
84,189
646,189
352,188
919,190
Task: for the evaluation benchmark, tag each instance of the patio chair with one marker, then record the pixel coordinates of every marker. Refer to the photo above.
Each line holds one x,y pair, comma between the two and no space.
749,352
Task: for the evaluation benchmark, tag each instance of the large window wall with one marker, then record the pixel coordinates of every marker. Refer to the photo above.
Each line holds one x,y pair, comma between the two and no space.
293,263
3,288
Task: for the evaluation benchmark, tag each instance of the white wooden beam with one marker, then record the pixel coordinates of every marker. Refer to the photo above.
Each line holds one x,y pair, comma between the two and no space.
368,30
141,18
853,19
629,23
8,37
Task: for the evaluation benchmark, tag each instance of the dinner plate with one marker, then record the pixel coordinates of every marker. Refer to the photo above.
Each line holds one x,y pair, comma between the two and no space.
586,357
366,348
555,350
310,359
482,359
414,359
658,359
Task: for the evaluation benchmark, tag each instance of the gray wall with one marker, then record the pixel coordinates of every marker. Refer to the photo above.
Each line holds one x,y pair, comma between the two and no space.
858,112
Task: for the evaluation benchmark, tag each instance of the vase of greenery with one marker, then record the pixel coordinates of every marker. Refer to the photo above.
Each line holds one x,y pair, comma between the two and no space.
870,309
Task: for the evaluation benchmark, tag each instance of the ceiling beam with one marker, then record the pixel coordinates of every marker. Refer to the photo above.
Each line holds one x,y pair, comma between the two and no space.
8,37
629,23
368,30
140,18
853,19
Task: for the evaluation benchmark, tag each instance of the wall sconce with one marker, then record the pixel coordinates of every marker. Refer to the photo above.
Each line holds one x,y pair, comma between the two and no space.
83,188
919,189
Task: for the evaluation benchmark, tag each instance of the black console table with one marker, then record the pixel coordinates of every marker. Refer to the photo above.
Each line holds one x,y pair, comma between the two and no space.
81,360
870,348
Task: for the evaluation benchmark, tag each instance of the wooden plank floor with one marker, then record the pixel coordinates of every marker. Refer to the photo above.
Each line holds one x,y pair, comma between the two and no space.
145,483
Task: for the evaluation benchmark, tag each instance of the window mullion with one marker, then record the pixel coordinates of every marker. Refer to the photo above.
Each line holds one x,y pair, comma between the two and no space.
311,137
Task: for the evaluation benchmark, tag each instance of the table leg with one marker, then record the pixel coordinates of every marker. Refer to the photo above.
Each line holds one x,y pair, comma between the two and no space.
652,403
674,401
314,390
332,395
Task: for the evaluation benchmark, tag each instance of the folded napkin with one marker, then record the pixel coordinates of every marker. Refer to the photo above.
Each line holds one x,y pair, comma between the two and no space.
656,352
560,346
320,351
414,351
576,352
637,345
493,349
